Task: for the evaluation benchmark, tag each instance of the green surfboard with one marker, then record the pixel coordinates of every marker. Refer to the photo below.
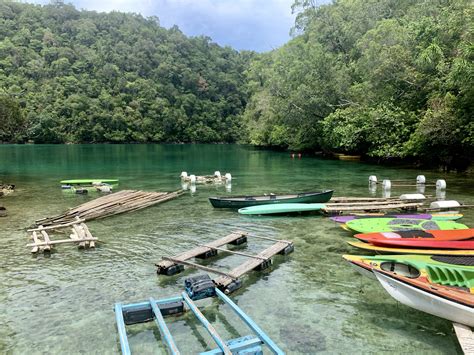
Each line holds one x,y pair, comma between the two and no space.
89,181
372,225
282,208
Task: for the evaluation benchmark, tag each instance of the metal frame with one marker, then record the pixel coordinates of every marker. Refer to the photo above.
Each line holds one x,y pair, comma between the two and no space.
224,347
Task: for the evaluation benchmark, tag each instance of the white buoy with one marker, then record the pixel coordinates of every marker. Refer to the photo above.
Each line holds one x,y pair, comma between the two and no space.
104,188
412,197
228,187
217,174
228,177
372,189
372,179
386,193
184,185
386,184
441,184
445,204
192,178
420,188
440,194
420,179
184,175
192,189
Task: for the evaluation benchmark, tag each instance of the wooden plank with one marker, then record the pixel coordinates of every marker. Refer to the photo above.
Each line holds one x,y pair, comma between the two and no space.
367,203
268,238
465,338
62,241
110,205
36,240
202,249
198,266
233,252
58,226
368,207
88,235
81,235
360,199
251,264
47,241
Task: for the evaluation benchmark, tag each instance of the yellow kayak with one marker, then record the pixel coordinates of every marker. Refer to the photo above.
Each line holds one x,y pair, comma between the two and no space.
367,246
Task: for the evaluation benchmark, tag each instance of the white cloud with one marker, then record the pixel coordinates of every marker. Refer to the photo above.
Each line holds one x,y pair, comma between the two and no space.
243,24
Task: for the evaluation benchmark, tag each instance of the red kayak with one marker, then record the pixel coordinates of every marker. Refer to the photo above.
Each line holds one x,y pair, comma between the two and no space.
424,243
418,235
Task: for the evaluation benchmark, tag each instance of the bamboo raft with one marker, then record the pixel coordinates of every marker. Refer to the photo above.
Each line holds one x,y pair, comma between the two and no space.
465,338
80,235
110,205
228,281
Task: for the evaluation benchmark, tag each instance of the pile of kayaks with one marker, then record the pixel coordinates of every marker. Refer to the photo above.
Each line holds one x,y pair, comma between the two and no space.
431,261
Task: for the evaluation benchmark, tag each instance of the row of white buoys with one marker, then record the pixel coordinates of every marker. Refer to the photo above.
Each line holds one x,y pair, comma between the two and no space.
203,179
420,182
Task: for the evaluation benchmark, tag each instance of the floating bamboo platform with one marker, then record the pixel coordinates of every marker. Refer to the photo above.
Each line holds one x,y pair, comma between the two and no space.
110,205
228,281
465,338
80,235
370,206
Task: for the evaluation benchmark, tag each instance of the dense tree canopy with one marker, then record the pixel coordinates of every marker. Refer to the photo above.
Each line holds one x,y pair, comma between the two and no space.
382,78
83,76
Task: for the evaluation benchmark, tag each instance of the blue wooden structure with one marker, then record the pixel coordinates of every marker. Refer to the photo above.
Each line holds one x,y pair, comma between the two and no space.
196,288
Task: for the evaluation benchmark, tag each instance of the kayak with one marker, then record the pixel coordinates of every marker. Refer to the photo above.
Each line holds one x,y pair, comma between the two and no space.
435,217
368,225
375,248
430,244
449,303
416,235
445,270
89,181
248,201
282,208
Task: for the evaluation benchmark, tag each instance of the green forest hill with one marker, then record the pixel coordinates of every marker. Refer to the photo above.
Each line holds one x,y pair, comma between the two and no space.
386,79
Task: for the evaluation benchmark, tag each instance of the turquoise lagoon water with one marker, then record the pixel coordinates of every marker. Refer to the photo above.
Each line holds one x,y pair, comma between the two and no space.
308,302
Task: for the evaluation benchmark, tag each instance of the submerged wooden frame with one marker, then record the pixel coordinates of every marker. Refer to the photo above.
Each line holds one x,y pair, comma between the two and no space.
228,281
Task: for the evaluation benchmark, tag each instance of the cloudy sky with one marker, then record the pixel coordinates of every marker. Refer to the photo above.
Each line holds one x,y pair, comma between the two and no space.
259,25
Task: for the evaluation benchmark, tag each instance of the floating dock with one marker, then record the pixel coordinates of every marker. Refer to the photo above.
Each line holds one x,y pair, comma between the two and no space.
110,205
228,281
465,338
80,235
196,288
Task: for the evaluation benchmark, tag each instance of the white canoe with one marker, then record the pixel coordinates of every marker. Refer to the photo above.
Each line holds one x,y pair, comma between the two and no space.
425,301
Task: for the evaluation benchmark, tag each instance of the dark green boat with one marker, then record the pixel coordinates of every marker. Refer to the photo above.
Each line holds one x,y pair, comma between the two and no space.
248,201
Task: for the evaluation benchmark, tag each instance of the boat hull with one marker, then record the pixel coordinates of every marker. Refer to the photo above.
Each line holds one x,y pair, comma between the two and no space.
281,208
425,301
385,250
243,201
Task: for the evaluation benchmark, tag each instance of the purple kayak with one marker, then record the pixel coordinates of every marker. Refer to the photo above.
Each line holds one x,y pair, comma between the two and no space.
437,216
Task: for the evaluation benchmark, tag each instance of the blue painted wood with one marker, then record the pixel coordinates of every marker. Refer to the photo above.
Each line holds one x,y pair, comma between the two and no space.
121,329
261,334
132,306
165,332
241,345
211,330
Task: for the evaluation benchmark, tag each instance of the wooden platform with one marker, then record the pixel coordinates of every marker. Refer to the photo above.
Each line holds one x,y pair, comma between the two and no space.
395,204
465,338
228,281
43,242
110,205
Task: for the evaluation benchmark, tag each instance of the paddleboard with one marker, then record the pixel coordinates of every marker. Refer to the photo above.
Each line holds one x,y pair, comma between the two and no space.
369,225
89,181
282,208
430,244
428,235
367,246
435,217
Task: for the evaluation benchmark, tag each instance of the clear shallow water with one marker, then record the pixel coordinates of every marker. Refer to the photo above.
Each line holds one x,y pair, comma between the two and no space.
311,301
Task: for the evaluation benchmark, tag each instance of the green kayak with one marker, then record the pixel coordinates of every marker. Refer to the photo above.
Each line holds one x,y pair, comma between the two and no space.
441,269
372,225
282,208
89,181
